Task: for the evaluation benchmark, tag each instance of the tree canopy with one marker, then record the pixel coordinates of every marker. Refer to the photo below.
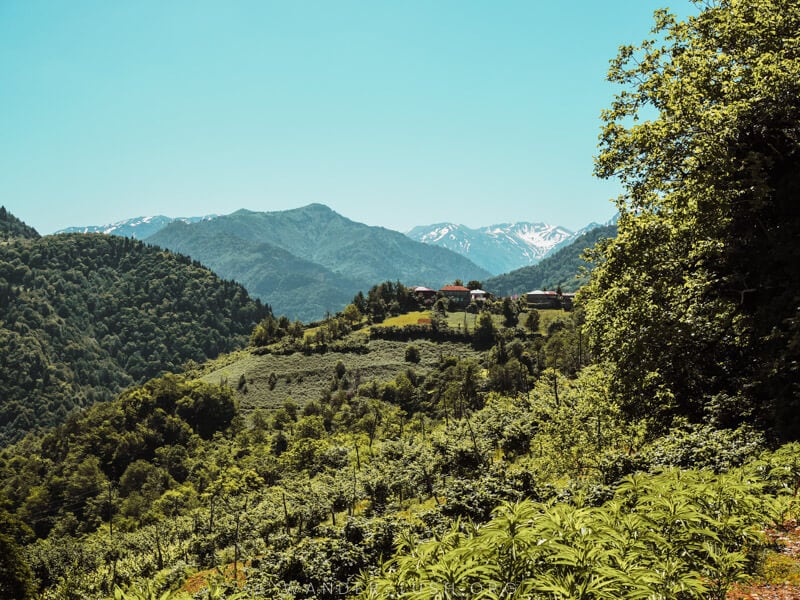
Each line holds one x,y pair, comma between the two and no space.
84,316
695,304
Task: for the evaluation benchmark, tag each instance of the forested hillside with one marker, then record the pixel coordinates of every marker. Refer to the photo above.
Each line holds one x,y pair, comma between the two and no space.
172,490
297,288
83,316
12,227
566,268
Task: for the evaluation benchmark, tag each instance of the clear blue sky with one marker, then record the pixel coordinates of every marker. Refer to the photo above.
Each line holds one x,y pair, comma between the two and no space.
394,113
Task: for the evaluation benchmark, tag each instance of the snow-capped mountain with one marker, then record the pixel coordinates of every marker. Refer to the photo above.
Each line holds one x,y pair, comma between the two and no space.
498,248
137,227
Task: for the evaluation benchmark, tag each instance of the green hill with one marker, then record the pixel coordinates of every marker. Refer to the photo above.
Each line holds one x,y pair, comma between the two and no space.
304,471
12,227
333,256
293,286
83,316
564,268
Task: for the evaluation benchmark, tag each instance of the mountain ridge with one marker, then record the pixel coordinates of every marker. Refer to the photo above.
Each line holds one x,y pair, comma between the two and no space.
349,256
561,269
137,228
498,248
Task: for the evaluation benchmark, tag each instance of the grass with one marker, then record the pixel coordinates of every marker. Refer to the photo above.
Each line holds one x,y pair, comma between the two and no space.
272,379
306,378
458,320
412,318
548,315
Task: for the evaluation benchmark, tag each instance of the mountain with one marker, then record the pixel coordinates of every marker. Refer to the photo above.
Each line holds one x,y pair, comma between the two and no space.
497,248
83,316
563,268
324,248
292,286
138,227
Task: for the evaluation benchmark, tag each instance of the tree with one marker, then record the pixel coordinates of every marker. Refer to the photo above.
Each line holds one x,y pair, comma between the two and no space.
485,331
16,578
352,314
510,313
532,320
697,297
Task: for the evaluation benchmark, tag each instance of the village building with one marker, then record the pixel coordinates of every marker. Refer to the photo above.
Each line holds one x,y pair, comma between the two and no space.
424,294
478,295
457,295
568,300
543,299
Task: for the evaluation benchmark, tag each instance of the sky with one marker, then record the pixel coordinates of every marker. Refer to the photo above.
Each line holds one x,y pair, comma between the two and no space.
393,113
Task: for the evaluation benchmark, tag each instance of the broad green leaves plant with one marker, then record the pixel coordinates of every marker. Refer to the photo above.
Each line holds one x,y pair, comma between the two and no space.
677,534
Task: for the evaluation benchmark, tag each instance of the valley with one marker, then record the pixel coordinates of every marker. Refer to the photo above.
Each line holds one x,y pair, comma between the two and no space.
294,464
293,405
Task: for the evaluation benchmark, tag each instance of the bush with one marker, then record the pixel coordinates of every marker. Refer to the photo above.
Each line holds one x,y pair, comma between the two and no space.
412,354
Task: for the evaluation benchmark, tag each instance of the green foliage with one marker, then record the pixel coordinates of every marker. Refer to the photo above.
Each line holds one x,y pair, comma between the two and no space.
16,578
510,312
696,299
12,227
412,354
386,298
85,316
675,534
146,592
136,445
704,447
485,332
532,320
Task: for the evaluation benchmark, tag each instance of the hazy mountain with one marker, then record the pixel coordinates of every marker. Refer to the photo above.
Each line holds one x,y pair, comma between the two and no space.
496,248
293,286
138,227
332,256
562,268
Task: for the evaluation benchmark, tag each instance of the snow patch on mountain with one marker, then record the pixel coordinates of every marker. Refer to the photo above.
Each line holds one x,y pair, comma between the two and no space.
138,227
502,247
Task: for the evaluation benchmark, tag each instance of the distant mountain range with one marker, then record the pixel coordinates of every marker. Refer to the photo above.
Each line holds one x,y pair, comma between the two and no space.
500,248
565,268
311,260
138,227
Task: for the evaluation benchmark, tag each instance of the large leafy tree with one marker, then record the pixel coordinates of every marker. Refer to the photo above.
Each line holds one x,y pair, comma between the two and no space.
696,303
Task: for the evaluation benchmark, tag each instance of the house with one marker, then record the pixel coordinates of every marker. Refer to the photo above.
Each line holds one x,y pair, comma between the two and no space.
543,299
568,300
457,295
424,293
478,295
550,299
